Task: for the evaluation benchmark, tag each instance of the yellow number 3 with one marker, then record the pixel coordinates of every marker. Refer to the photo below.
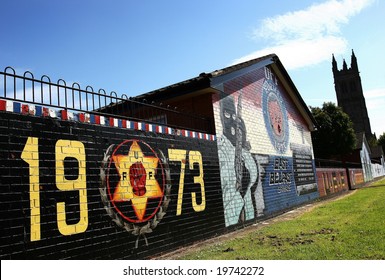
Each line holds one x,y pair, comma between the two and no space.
194,157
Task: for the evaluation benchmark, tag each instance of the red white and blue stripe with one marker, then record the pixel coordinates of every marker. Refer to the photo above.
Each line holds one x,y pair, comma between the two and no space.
42,111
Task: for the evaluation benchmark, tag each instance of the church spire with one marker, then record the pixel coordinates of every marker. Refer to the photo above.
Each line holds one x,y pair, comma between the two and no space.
353,63
334,63
350,96
344,65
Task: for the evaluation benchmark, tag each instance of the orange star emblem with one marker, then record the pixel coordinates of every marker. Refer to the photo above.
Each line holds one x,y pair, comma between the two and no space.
137,179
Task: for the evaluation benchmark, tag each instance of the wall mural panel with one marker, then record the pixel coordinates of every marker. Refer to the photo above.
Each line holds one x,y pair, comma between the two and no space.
332,180
74,190
357,176
264,148
239,171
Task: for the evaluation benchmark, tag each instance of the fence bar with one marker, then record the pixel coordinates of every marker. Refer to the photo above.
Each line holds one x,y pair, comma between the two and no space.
100,103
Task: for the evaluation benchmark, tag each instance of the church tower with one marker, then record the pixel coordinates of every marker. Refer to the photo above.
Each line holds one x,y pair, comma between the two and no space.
350,97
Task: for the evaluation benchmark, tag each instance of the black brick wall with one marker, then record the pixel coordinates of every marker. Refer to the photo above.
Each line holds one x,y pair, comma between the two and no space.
102,238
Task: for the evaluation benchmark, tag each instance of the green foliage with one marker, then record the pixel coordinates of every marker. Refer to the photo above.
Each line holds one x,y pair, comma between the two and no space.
335,135
372,141
351,228
381,141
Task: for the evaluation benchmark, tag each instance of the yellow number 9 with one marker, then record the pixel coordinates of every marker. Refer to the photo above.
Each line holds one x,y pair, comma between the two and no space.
73,149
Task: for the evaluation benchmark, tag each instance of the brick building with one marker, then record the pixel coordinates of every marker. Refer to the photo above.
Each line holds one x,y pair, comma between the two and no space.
129,179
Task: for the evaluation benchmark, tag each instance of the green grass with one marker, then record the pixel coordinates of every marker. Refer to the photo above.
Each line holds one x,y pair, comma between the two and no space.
346,229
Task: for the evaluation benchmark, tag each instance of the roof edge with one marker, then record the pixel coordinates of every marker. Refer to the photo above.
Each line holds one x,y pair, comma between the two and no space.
214,78
208,79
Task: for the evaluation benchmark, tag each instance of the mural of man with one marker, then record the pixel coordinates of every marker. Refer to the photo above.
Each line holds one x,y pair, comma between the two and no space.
239,171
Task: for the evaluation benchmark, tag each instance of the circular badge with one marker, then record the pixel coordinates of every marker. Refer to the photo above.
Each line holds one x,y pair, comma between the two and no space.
275,116
135,186
135,181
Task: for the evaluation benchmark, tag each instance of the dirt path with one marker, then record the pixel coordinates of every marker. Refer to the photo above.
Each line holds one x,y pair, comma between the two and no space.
242,232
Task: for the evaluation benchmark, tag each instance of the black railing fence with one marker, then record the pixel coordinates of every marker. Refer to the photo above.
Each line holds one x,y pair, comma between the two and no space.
328,163
26,88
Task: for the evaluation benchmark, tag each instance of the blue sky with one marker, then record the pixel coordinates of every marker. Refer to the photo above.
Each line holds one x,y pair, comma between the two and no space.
133,47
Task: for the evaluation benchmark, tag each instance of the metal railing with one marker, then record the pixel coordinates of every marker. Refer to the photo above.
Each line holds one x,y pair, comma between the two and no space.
44,92
328,163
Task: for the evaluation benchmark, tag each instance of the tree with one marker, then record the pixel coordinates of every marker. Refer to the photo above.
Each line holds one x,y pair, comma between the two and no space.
381,141
335,135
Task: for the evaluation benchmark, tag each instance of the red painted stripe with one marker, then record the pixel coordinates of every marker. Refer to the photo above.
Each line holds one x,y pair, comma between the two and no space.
3,105
64,115
82,117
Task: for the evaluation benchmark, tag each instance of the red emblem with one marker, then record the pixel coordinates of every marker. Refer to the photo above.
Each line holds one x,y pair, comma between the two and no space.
135,181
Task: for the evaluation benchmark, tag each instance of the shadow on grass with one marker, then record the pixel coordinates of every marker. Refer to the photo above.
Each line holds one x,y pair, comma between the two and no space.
377,186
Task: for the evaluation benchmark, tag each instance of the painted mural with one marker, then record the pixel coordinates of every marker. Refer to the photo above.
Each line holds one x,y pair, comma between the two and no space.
332,180
274,113
239,171
265,152
356,176
134,186
81,185
81,190
78,185
366,162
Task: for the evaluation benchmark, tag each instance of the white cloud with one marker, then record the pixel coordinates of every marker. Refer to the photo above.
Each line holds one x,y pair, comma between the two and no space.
317,20
375,102
377,122
307,37
300,53
375,93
